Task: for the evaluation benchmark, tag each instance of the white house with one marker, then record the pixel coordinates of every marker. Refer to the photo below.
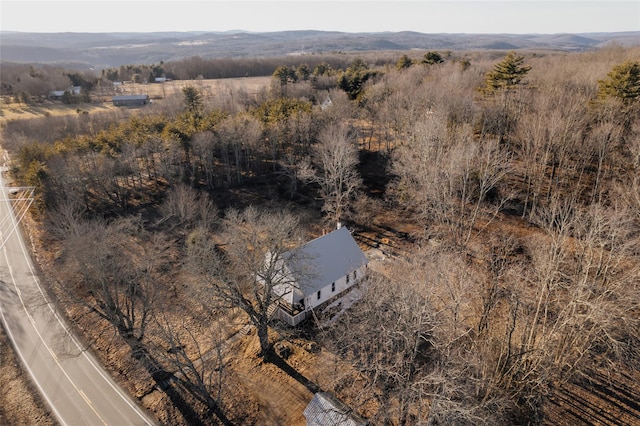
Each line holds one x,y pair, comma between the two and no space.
321,270
59,94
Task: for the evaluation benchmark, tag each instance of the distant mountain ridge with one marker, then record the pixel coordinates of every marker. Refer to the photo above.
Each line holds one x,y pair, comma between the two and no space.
102,50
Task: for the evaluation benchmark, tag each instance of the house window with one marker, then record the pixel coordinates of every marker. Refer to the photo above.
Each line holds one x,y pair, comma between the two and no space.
347,278
318,294
355,275
333,287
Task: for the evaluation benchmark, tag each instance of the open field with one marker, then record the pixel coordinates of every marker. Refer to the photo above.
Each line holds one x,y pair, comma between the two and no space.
250,85
157,92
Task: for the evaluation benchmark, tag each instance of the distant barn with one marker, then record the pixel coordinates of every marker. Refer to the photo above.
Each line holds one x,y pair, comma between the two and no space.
130,100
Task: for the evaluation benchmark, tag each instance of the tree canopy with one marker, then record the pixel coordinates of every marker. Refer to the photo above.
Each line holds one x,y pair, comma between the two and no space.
622,82
506,74
352,80
404,62
192,100
432,58
285,74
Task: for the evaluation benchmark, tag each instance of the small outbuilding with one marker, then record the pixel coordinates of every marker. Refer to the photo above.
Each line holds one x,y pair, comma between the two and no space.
326,104
321,270
56,94
130,100
326,410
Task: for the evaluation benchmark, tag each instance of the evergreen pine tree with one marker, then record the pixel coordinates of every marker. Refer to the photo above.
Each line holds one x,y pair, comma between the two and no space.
404,62
507,74
432,58
623,82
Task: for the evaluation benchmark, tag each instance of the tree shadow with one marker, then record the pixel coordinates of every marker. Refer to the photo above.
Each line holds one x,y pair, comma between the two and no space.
282,365
373,168
213,407
164,382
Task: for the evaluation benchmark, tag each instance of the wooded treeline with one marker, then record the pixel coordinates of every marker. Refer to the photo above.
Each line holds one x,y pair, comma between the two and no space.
521,174
28,84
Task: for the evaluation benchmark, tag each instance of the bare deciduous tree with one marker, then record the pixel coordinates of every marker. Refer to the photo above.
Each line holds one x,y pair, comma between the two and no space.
237,140
117,270
578,297
447,176
244,272
387,337
186,208
411,338
337,156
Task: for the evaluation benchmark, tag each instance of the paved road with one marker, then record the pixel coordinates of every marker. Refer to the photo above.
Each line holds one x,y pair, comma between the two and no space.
77,390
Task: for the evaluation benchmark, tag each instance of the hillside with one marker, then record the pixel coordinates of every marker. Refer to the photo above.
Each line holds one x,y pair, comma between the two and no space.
104,50
499,211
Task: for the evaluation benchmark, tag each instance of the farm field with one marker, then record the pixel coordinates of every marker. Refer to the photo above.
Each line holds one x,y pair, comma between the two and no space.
10,110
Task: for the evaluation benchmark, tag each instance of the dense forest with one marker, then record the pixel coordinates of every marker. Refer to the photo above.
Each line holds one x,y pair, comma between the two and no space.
502,192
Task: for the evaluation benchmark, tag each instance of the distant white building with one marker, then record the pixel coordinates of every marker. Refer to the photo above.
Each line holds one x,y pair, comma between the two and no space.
59,94
321,270
326,104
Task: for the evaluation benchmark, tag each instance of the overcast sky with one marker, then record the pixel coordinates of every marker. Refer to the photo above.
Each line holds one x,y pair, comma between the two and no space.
454,16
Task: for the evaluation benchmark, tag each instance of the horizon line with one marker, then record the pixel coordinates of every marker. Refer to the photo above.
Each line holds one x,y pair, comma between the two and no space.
236,31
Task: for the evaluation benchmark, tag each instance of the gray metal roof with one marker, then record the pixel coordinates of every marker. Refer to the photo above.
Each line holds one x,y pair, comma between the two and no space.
130,97
324,260
325,410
